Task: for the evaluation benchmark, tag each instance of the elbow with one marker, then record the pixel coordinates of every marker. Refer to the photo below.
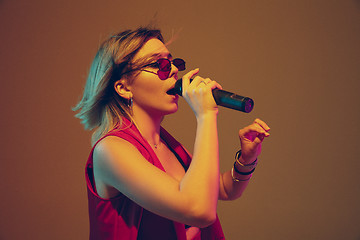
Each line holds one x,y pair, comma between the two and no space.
206,220
202,217
233,196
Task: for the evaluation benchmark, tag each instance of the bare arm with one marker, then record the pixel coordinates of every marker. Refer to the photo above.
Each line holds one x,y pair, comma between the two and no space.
251,138
193,199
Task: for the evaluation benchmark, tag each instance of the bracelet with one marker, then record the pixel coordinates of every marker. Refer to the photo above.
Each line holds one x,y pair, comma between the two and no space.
242,173
254,163
244,167
238,155
236,179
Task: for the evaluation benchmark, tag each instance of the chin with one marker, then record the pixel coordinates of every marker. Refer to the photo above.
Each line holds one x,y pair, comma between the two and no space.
172,110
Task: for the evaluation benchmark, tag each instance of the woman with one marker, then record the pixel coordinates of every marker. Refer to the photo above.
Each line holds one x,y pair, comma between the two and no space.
142,183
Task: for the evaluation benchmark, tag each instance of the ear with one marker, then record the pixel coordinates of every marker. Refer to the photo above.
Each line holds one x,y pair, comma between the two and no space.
122,89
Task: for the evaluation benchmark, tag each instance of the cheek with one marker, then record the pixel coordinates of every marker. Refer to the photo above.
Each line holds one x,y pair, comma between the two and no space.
146,90
151,87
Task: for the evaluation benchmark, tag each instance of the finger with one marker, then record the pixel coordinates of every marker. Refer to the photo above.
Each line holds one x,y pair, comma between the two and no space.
261,137
249,137
206,81
253,128
214,85
253,137
199,84
203,83
258,141
186,78
262,124
197,80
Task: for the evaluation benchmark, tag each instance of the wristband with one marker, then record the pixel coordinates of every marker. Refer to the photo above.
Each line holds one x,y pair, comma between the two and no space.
244,167
242,173
236,179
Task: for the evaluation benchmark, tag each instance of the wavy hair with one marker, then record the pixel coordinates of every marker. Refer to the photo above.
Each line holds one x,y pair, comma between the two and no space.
101,108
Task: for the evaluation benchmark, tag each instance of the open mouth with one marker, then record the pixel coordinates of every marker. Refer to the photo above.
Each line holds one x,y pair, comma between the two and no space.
177,89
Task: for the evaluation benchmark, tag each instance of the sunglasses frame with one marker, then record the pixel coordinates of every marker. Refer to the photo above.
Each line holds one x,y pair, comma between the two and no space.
164,70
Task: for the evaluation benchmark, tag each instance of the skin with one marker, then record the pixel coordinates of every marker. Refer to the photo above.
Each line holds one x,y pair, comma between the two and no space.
191,197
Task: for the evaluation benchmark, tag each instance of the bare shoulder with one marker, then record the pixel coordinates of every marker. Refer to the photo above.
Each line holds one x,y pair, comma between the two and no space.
111,144
111,156
114,154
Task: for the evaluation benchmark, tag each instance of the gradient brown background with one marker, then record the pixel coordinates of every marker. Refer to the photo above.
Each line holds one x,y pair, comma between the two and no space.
299,60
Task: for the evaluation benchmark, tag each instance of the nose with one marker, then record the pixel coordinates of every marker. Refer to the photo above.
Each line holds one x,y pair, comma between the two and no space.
174,71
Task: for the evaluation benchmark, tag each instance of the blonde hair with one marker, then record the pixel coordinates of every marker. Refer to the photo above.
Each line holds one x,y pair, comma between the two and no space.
101,108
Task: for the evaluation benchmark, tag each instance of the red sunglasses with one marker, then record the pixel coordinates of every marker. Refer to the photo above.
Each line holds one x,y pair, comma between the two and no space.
164,66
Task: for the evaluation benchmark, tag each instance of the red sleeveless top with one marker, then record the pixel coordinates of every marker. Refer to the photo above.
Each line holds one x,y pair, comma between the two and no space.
120,218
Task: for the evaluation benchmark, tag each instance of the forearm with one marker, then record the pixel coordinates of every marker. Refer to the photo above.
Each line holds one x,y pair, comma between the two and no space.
234,181
232,189
201,181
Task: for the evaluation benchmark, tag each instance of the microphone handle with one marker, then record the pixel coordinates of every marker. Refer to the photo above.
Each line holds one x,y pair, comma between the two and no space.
233,101
225,99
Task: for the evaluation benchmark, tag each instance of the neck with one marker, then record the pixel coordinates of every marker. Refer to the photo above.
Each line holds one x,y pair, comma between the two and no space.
148,125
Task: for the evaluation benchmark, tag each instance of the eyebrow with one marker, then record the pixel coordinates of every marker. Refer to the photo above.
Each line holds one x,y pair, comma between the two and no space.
154,56
161,55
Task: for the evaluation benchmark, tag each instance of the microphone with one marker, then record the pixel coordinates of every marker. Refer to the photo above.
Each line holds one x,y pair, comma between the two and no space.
222,98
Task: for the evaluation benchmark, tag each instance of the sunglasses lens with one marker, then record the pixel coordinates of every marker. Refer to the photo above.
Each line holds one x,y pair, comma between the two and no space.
163,74
165,67
164,64
179,63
